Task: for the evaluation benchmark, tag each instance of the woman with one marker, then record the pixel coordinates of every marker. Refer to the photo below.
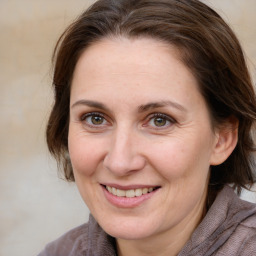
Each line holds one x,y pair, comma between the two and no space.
153,117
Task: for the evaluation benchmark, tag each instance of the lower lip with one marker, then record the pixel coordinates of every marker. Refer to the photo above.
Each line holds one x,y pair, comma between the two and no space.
127,202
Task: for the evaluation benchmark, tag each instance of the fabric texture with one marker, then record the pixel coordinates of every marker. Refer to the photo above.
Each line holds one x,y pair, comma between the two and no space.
229,228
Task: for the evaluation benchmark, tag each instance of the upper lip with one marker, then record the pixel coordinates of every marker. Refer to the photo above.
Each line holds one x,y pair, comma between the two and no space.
127,187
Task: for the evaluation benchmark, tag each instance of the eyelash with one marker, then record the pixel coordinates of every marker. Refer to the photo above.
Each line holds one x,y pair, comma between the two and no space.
151,117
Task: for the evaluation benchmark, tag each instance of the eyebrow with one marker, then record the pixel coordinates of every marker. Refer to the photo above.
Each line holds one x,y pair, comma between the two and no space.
153,105
141,108
90,103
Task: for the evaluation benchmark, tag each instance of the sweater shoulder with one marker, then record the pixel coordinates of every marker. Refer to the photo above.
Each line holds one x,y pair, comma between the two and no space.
72,243
239,229
242,213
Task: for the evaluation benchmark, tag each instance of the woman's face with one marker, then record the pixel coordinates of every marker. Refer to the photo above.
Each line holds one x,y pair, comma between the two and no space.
140,138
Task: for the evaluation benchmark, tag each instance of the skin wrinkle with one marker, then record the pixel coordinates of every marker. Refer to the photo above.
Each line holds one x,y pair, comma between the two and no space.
175,158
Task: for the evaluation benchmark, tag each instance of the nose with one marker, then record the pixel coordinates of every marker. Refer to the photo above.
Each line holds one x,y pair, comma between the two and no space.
124,155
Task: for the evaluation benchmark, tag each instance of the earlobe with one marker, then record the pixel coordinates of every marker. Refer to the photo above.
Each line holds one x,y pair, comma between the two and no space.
226,140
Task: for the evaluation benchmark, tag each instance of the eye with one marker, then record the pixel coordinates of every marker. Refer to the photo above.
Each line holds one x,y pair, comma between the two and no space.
159,120
94,119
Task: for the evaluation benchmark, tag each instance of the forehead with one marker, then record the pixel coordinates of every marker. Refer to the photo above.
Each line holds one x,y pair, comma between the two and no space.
129,56
139,51
138,67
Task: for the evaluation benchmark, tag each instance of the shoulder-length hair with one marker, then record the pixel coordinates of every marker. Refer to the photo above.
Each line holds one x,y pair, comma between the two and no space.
207,46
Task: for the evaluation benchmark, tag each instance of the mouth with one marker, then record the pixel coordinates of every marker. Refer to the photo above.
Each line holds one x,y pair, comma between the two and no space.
130,193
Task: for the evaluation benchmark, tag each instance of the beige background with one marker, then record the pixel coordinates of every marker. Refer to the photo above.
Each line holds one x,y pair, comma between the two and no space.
36,206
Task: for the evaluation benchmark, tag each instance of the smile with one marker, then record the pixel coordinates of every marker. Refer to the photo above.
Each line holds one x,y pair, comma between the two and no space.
130,193
128,197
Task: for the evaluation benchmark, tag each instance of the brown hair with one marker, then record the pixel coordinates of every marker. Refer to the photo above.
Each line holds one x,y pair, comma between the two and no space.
207,46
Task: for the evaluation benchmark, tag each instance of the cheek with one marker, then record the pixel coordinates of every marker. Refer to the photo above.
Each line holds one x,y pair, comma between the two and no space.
85,154
179,159
168,160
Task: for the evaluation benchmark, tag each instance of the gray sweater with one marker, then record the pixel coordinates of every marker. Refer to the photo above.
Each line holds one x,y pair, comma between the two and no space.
229,228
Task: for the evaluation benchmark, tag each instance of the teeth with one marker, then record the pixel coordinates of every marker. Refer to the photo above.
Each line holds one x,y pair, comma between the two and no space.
120,192
109,189
114,191
144,191
138,192
129,193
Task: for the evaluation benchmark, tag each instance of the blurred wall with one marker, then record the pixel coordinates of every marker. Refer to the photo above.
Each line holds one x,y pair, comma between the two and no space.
36,206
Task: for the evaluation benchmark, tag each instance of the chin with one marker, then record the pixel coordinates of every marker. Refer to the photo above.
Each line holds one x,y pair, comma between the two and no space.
134,234
129,229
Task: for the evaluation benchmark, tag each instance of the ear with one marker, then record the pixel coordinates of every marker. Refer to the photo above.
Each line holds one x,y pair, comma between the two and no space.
226,141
